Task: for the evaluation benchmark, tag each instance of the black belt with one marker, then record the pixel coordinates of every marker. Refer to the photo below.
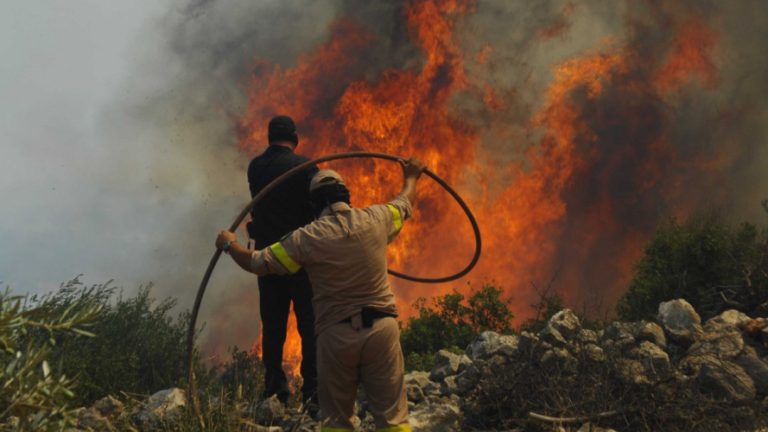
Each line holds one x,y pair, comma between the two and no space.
368,315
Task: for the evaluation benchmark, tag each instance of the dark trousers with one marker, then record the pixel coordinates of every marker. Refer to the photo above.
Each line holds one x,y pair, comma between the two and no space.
277,293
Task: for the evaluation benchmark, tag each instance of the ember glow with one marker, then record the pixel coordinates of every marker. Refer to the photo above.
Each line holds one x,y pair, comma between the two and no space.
599,162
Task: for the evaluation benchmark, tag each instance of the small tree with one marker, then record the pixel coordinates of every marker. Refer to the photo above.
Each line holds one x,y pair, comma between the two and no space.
706,261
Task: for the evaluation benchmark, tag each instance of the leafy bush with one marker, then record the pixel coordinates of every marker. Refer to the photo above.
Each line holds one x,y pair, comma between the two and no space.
31,391
138,348
704,260
451,322
135,348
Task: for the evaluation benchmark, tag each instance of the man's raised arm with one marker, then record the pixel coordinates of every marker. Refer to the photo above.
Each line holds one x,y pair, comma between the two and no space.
412,170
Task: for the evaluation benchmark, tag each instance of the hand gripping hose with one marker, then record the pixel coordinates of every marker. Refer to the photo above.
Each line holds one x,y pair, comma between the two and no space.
192,385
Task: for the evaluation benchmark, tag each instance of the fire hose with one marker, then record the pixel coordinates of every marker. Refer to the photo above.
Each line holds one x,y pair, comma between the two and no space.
192,385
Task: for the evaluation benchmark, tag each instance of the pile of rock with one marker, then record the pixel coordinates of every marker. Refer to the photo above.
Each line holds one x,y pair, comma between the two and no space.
726,357
109,414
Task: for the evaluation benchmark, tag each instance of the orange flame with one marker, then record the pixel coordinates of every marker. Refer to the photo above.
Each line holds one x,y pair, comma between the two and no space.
291,351
522,207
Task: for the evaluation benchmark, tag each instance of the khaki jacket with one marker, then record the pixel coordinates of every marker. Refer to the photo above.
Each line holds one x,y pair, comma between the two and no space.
344,254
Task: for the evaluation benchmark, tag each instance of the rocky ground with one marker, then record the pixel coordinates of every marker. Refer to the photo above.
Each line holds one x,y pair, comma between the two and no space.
724,359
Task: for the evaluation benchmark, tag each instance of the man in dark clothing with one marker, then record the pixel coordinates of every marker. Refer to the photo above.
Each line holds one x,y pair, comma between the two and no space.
281,211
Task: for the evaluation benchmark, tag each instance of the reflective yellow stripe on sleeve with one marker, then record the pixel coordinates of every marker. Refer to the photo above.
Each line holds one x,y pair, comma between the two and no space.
396,218
405,427
285,259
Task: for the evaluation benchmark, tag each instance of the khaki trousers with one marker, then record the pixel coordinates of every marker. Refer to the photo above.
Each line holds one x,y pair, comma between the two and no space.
348,355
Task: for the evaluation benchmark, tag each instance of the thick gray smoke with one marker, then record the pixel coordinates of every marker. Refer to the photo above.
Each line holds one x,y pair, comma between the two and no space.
722,125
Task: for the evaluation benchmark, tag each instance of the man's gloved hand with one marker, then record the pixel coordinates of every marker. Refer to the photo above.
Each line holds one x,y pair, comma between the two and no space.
224,237
412,168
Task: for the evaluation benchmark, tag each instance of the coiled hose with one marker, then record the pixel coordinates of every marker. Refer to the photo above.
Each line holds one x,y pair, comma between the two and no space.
192,385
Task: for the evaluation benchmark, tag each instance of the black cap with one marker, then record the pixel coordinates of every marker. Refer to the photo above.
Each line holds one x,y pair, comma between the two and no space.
282,128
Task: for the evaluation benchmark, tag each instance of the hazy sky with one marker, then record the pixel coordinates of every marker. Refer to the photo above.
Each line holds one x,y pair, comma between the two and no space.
113,164
62,64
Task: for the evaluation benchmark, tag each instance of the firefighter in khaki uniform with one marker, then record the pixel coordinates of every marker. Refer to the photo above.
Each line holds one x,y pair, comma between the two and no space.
344,254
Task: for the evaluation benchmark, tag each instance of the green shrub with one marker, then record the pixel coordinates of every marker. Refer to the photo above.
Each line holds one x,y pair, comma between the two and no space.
33,391
48,365
452,323
138,348
706,261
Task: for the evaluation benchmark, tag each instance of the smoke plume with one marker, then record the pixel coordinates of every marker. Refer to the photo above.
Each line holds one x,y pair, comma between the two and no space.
573,128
